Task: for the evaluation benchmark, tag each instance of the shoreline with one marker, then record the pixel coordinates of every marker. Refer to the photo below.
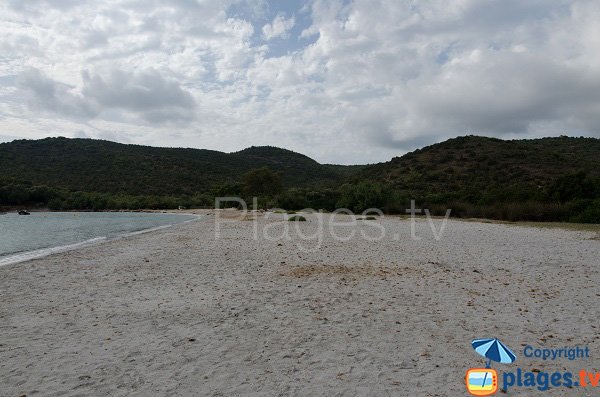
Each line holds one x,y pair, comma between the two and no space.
24,256
21,257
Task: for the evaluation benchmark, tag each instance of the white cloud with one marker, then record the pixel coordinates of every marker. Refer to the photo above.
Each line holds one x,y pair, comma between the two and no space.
278,28
362,82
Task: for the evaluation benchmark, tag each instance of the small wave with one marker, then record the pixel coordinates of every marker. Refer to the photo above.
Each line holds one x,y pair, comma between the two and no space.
152,229
25,256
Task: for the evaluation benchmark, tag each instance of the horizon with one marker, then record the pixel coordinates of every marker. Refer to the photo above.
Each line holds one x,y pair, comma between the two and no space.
378,80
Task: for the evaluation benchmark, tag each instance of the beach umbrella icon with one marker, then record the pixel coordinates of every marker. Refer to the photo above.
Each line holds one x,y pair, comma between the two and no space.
493,350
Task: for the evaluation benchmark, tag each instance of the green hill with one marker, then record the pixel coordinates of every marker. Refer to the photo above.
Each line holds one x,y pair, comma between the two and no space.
537,179
102,166
488,169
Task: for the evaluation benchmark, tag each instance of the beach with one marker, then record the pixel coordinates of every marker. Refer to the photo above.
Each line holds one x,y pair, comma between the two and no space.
217,307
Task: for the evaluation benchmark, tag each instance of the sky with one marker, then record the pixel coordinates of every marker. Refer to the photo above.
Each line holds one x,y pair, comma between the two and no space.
342,81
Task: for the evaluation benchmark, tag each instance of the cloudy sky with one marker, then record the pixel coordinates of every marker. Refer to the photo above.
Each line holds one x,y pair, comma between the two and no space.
341,81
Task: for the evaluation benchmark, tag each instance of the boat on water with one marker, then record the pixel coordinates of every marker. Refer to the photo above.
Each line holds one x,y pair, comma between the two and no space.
23,212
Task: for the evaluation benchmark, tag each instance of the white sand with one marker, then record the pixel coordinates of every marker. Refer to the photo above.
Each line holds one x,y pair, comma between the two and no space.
178,312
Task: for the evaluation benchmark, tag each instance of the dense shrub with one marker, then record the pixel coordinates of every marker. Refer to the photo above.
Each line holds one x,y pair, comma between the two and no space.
362,196
589,214
294,199
262,181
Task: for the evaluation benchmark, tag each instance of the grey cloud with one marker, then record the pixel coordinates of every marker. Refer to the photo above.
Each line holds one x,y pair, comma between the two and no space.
44,93
113,136
9,138
37,6
80,134
406,144
509,96
500,15
141,91
94,39
167,115
146,94
477,20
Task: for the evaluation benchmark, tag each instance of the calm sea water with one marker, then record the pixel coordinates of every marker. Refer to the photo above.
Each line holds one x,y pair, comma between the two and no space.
24,237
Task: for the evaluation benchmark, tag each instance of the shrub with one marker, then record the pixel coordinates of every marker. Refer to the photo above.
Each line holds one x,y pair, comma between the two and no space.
292,198
55,204
362,196
261,181
591,213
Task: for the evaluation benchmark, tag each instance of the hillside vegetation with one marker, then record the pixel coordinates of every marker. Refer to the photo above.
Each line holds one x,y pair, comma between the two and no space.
539,179
102,166
487,168
520,179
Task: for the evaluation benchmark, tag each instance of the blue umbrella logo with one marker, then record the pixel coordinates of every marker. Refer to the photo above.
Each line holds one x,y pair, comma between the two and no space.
493,350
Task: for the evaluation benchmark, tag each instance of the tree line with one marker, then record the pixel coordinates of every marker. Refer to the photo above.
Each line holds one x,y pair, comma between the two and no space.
570,198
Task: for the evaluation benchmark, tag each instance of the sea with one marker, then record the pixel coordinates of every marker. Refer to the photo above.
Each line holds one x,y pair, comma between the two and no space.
24,237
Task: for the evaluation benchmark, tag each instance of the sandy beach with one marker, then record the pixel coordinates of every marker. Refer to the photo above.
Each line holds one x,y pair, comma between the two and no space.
181,312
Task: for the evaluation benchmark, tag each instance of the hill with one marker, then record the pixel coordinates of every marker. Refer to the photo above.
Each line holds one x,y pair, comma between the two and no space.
479,168
536,179
102,166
